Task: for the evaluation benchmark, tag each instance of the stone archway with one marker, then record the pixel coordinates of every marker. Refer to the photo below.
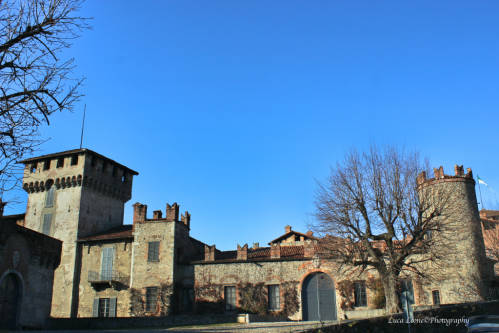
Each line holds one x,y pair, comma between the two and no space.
10,301
318,298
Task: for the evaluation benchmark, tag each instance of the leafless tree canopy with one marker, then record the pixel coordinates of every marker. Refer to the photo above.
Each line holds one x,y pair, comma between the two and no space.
34,81
374,216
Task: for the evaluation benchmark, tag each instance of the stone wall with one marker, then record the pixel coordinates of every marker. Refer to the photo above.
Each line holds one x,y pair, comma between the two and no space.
210,278
64,226
31,259
89,198
91,253
461,270
153,274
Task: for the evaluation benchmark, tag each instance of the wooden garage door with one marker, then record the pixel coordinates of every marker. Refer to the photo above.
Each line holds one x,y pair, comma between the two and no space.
318,298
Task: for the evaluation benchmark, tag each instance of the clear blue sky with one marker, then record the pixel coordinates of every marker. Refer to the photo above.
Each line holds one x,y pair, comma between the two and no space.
234,108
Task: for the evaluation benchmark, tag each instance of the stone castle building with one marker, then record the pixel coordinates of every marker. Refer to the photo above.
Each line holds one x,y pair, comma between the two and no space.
27,263
153,267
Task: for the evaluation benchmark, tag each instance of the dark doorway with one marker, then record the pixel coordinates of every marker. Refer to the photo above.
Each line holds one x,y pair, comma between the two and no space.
318,298
10,294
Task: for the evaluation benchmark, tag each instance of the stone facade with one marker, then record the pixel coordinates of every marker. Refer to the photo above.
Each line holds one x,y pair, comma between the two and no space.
27,263
89,192
464,270
154,268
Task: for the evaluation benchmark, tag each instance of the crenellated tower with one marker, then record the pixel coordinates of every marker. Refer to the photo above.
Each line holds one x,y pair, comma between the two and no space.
73,194
466,267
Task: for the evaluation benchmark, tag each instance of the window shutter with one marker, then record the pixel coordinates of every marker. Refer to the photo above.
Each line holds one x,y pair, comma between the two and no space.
273,294
95,312
153,251
230,298
112,307
49,200
107,263
47,222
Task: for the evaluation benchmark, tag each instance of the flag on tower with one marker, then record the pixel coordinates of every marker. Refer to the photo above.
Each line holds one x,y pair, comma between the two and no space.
480,181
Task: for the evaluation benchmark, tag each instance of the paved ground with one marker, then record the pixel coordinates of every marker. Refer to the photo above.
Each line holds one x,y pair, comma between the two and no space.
278,327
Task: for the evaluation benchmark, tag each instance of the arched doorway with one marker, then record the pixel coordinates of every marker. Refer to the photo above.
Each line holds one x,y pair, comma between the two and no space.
10,294
318,298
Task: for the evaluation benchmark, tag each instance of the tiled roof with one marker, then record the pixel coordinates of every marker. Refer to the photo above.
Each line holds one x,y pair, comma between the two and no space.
292,232
121,232
262,253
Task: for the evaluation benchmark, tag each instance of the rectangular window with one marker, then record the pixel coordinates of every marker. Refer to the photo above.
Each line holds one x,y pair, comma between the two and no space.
436,297
360,293
74,160
153,252
49,199
151,299
60,162
107,264
33,168
47,223
230,298
104,307
274,299
46,165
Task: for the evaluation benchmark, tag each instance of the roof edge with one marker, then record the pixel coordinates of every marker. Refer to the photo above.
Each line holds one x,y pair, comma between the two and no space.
77,151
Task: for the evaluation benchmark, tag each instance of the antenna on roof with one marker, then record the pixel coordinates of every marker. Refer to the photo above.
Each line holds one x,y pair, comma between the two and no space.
83,125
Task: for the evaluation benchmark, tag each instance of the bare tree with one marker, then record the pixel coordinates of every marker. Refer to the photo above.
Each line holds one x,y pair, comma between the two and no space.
35,81
374,215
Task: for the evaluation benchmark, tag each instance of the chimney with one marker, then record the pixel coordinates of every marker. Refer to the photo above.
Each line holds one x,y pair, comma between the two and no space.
421,178
309,249
287,228
209,252
256,245
157,214
275,251
172,212
186,219
310,233
139,212
242,252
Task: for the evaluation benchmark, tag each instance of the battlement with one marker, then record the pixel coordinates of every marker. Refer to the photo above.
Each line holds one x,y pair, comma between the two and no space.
78,167
172,214
439,175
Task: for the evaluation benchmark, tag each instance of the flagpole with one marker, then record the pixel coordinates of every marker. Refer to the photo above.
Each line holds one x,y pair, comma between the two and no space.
83,126
480,191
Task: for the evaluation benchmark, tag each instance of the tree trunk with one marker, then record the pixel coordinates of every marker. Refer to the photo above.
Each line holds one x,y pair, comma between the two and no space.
391,297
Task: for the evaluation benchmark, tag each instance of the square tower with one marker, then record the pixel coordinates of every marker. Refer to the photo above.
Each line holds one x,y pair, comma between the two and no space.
73,194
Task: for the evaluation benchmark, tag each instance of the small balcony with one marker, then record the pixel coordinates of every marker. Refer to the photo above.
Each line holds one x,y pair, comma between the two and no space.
107,279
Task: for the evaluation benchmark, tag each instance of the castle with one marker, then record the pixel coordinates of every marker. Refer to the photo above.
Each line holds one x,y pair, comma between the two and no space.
153,267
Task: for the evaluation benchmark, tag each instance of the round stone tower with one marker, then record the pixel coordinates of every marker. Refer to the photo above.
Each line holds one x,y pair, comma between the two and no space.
465,268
